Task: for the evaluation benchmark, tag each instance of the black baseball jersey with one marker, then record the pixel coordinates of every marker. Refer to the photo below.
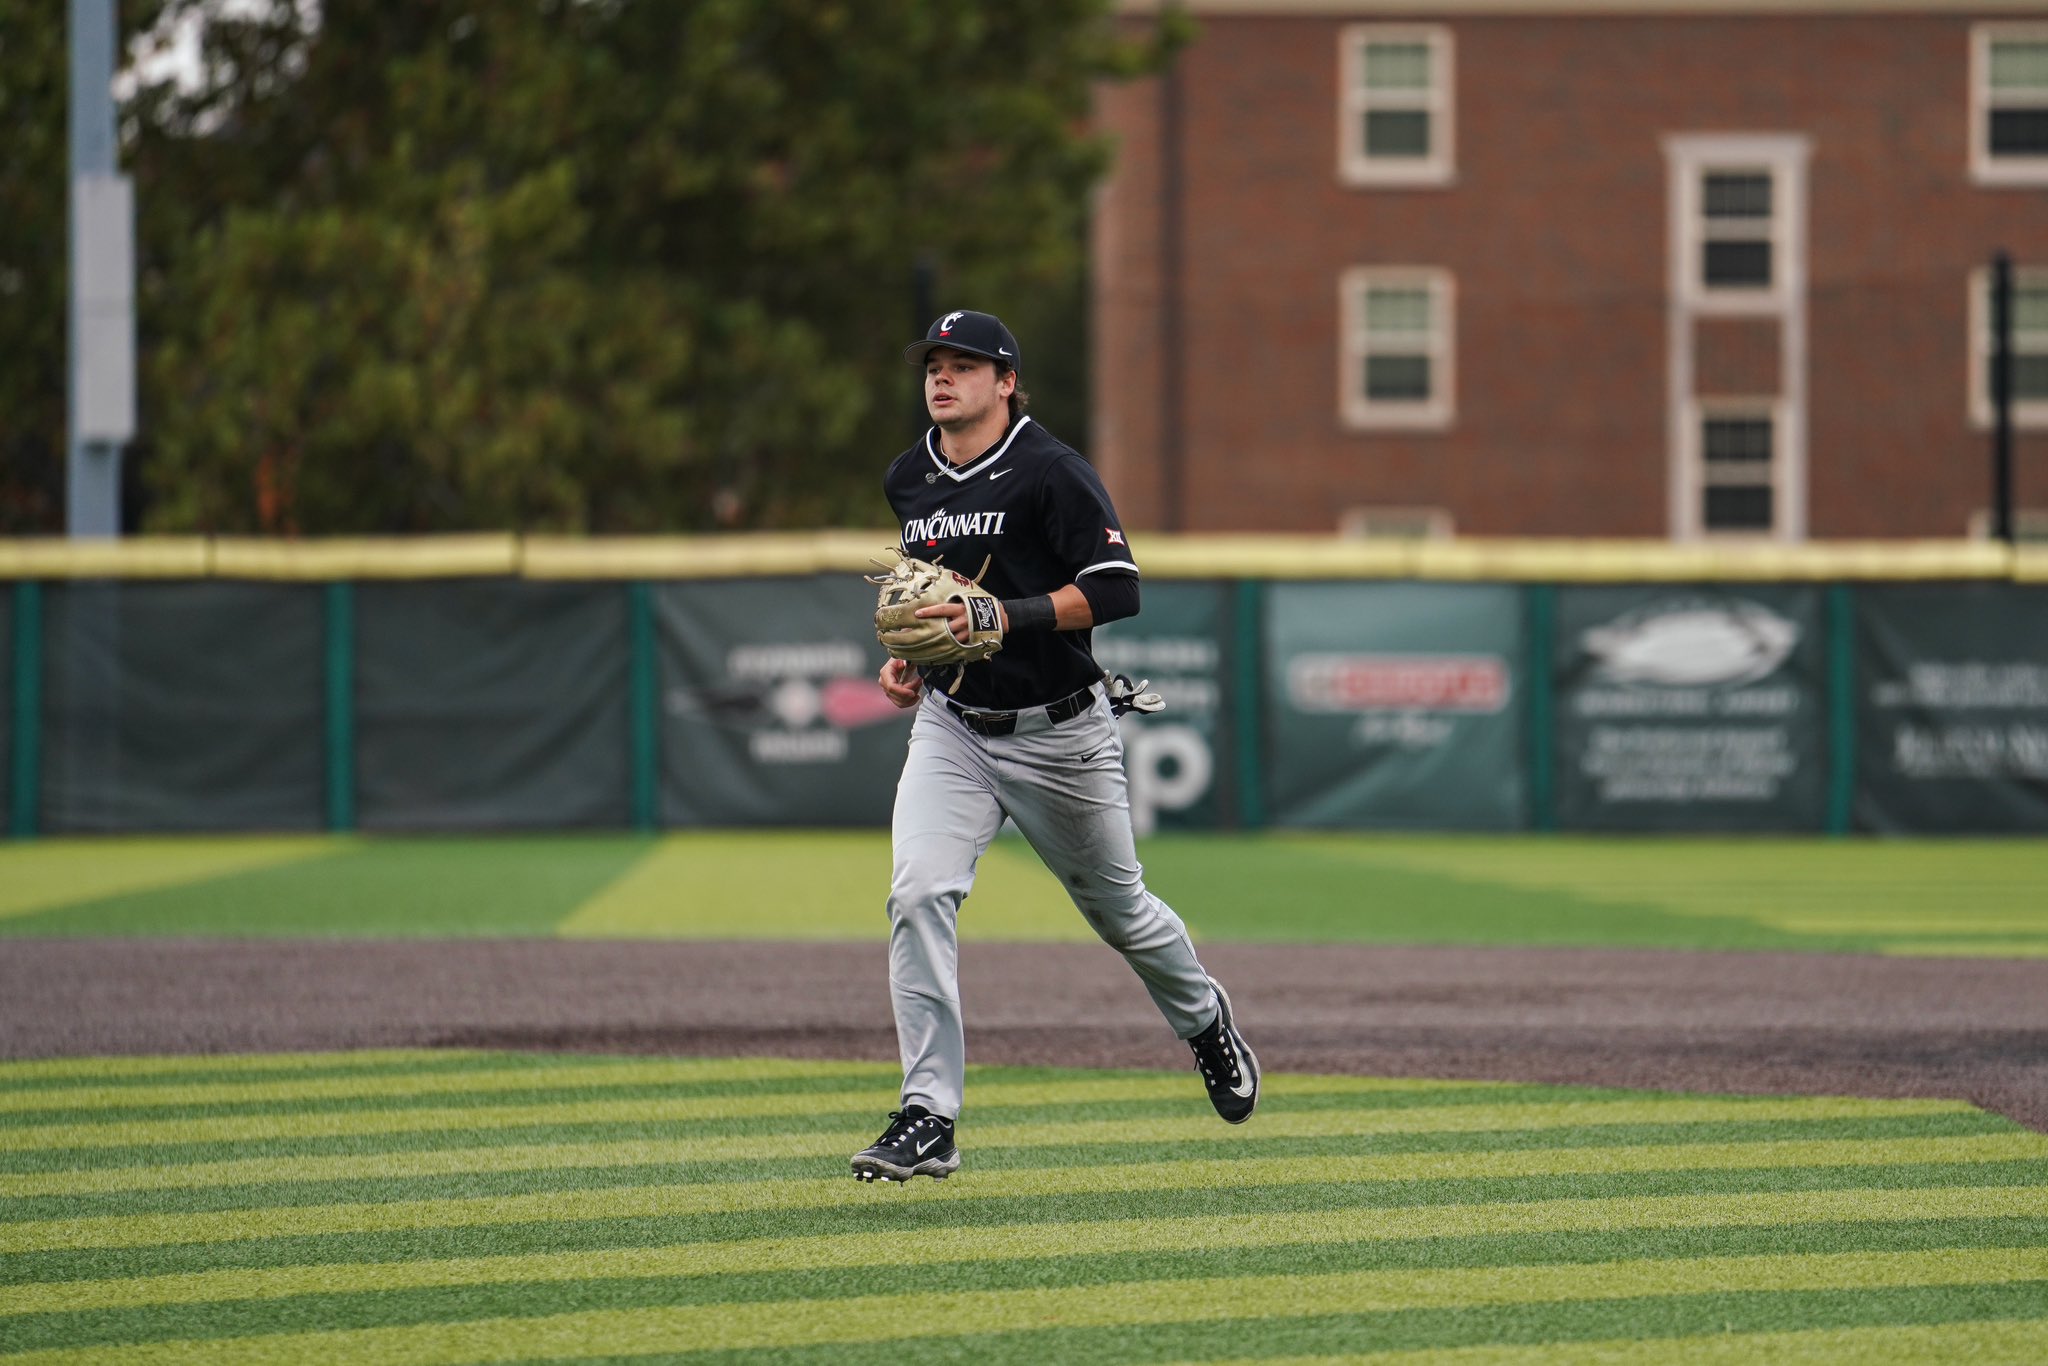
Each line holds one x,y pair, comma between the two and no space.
1037,511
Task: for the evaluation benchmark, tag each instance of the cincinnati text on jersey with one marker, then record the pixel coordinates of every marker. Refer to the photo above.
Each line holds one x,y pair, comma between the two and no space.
943,525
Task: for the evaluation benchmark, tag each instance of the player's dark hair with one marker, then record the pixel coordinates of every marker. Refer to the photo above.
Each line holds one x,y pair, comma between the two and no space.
1019,400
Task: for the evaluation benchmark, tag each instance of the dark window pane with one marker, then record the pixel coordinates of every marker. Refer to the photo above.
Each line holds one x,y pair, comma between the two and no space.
1397,133
2019,132
1738,265
1397,379
2030,378
1738,438
1738,508
1732,195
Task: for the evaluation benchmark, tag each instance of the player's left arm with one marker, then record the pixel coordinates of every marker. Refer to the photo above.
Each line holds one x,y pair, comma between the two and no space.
1080,524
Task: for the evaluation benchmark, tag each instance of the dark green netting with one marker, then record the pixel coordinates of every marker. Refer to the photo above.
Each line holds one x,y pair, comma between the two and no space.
491,703
1952,708
7,591
181,706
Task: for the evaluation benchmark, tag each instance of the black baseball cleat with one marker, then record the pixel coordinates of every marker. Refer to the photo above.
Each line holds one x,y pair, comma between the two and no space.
1229,1068
916,1143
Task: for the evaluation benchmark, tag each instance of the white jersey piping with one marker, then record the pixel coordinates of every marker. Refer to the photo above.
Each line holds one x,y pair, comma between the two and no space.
957,473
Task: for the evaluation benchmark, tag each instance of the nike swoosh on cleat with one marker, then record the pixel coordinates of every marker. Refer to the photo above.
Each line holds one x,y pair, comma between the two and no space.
923,1148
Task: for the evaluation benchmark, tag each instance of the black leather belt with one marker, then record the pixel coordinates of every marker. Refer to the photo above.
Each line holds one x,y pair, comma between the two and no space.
994,723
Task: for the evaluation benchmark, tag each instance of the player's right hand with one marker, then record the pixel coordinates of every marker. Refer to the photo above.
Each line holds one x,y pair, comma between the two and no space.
901,683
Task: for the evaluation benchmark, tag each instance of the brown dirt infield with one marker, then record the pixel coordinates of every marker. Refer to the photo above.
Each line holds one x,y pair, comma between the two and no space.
1971,1029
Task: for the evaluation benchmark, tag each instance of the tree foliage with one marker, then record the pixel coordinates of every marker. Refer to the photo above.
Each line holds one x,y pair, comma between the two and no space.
33,226
607,265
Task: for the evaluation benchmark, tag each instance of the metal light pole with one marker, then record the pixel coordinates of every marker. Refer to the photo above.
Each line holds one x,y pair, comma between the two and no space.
102,393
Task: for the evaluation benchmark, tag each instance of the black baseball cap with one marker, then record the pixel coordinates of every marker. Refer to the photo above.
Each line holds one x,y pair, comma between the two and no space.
978,334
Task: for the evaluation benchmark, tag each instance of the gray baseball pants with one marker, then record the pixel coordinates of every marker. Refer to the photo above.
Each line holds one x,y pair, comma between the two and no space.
1064,786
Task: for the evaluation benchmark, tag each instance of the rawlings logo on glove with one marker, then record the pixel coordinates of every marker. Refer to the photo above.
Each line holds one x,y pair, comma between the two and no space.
912,583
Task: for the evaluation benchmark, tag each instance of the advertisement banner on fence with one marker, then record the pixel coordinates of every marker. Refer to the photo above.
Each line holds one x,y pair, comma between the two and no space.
1952,715
1690,708
1179,760
770,713
1394,705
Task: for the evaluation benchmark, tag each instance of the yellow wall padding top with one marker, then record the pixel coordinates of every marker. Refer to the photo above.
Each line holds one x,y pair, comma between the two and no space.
1562,560
489,555
133,557
754,554
738,555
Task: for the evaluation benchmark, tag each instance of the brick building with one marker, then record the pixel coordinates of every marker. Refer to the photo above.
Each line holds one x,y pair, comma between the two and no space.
1507,267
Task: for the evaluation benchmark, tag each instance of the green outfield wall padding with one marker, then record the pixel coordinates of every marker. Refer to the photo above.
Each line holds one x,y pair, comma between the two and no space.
164,704
1690,707
644,703
770,714
1841,709
1392,705
1952,708
340,628
9,723
181,706
1540,700
490,704
1247,657
1181,762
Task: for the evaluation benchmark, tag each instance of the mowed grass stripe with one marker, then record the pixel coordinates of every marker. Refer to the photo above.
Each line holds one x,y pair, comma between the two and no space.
912,1217
1620,1109
1519,1125
877,1318
1109,1237
340,1312
96,1068
1997,1342
769,1098
668,1200
525,1076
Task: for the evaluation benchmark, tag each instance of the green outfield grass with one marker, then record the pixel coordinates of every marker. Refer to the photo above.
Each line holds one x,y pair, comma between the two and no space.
416,1207
1900,897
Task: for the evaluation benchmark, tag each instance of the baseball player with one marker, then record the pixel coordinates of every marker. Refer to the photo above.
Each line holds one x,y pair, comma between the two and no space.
1028,733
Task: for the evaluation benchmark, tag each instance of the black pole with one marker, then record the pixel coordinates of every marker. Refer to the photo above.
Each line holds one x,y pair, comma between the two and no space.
2001,397
1172,348
923,308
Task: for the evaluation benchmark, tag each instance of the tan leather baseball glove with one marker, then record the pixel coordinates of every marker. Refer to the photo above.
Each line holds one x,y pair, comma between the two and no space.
911,583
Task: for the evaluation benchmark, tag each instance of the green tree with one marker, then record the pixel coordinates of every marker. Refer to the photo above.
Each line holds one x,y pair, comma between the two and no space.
33,224
587,264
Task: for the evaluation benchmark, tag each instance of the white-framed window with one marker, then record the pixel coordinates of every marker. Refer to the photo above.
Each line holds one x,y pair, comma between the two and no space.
2009,104
1398,361
1737,234
1739,464
1738,231
1395,108
2029,346
2028,524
